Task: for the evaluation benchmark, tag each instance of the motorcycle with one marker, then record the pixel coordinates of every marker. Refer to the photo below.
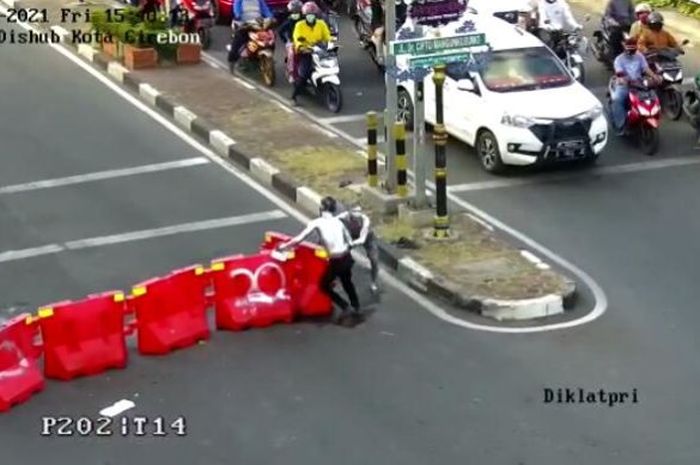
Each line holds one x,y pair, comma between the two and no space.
325,80
333,20
602,44
665,63
260,48
202,21
643,114
373,43
570,47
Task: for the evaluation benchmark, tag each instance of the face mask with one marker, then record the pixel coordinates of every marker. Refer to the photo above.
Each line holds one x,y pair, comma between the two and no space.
295,16
310,19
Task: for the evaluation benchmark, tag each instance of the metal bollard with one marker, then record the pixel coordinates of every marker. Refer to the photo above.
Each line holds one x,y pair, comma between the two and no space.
441,225
401,161
372,124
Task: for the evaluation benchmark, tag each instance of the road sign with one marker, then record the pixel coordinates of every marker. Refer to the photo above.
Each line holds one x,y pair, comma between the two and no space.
428,61
430,46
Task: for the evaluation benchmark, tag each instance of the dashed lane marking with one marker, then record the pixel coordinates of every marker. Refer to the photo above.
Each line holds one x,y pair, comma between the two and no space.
102,175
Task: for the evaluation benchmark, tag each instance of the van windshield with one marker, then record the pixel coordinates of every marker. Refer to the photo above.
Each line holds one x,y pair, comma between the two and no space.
524,69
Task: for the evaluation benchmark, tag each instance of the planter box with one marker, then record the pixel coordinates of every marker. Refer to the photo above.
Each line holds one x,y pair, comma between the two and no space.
189,54
110,48
140,58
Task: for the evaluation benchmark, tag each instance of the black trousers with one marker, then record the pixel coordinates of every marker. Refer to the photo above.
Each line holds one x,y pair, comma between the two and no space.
340,267
240,38
304,69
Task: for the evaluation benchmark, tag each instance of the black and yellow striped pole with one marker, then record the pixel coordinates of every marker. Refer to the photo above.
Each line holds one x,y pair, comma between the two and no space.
372,124
401,161
442,221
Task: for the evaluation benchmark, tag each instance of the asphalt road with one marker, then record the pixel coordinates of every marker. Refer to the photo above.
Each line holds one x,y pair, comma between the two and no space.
363,90
404,388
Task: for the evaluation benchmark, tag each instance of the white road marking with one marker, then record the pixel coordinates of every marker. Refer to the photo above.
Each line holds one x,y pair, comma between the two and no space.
437,311
243,83
102,175
117,408
605,170
343,119
196,226
283,107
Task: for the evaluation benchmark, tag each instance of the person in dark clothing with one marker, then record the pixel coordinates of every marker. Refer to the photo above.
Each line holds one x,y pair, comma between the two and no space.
286,30
360,228
619,14
337,242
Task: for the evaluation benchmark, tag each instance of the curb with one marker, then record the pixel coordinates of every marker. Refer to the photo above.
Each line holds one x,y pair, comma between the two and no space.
306,199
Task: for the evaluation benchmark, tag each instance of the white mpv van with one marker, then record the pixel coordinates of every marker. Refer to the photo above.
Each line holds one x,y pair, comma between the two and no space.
523,108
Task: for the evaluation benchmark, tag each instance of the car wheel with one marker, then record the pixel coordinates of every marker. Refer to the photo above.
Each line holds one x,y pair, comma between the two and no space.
488,152
404,111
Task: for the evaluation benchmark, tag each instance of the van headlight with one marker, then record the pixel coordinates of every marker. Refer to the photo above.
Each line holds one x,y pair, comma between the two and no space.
592,114
517,121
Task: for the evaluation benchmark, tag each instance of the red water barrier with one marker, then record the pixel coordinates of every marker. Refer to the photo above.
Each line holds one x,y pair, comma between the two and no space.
171,312
20,376
85,337
308,266
250,291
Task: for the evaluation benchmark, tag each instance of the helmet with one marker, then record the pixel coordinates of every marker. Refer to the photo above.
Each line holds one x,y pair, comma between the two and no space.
655,20
630,44
328,204
642,8
294,6
310,8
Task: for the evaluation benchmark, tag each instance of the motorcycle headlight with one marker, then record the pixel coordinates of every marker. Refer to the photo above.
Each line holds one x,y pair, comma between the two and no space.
517,121
644,112
592,114
655,110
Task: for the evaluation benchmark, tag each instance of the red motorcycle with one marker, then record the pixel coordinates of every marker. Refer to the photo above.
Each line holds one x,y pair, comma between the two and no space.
260,48
643,115
201,21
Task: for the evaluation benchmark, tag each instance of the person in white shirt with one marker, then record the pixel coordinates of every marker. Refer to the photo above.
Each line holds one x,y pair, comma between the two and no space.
556,15
337,242
359,227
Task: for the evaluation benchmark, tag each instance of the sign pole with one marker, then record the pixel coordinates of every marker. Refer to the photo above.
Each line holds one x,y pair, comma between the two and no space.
390,96
419,144
442,221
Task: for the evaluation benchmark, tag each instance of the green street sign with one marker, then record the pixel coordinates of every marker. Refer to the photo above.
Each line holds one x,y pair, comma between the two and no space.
428,61
417,47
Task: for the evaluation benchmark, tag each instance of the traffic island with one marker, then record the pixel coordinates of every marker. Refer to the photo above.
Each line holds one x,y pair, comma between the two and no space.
474,270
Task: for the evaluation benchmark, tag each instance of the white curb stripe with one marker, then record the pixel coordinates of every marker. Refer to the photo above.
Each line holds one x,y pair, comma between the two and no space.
414,273
61,31
102,175
116,70
148,93
87,51
243,83
220,141
184,117
502,310
262,170
308,199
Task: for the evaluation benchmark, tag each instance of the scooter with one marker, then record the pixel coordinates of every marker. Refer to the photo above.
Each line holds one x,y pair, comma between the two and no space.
325,80
260,48
203,21
665,63
644,113
602,44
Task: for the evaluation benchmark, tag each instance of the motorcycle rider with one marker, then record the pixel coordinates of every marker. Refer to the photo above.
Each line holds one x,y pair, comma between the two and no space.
629,66
244,11
287,28
642,11
555,17
656,37
308,33
619,15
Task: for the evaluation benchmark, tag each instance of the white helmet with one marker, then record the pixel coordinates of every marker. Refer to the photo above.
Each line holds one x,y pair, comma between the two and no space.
642,8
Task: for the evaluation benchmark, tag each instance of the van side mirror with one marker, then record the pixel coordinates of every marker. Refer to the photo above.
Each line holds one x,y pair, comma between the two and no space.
466,85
